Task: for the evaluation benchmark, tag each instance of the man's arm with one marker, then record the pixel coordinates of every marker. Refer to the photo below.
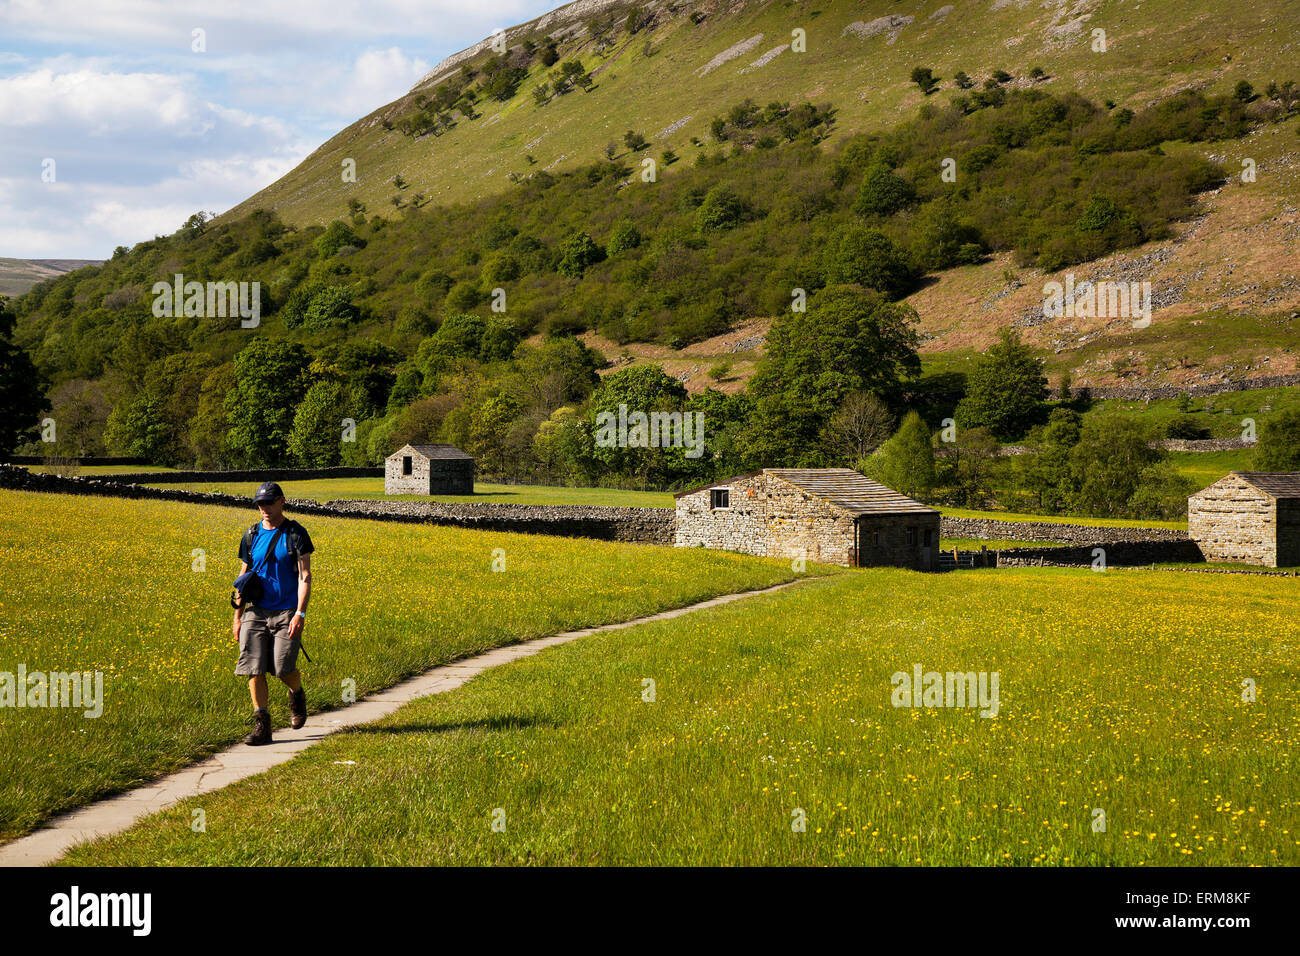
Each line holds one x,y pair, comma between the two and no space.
234,626
304,581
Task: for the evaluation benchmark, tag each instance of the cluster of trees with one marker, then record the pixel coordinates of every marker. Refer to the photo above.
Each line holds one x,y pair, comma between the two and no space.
422,328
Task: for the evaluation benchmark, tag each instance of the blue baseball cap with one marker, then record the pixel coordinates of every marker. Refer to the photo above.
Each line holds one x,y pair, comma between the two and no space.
268,491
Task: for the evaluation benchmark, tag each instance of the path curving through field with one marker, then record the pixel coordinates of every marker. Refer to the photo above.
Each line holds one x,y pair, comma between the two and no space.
114,814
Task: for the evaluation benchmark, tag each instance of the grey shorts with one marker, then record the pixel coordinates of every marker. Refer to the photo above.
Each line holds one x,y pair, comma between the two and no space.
264,645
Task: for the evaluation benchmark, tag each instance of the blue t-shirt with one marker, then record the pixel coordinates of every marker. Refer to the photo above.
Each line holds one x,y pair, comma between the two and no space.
280,574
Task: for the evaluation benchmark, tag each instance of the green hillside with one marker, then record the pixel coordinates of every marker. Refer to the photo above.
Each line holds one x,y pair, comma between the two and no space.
853,59
861,218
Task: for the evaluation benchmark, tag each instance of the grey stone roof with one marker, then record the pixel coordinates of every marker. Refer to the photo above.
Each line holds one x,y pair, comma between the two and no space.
437,451
850,490
842,487
1277,484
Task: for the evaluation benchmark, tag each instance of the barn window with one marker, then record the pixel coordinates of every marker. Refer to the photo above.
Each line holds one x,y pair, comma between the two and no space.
719,497
929,537
406,464
875,539
911,537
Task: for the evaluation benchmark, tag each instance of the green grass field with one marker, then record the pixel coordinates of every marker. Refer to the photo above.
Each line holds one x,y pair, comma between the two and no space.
325,489
1119,693
114,585
1062,519
974,544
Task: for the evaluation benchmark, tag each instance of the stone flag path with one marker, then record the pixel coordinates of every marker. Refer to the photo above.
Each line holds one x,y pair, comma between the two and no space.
114,814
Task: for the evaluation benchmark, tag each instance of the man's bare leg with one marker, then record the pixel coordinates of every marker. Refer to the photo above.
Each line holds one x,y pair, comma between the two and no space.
292,681
257,688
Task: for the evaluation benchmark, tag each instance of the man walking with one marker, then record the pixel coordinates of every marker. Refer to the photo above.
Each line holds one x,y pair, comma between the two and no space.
270,631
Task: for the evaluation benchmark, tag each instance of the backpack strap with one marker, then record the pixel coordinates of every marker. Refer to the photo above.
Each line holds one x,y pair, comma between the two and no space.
251,536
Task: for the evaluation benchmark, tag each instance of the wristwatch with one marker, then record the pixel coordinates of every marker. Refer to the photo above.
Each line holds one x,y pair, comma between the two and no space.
301,614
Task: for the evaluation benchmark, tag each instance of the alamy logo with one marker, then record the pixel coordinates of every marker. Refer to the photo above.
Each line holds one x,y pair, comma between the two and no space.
1101,300
952,689
74,908
56,689
212,300
655,430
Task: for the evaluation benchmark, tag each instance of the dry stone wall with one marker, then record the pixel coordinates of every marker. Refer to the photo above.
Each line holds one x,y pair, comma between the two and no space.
646,525
254,475
991,529
1116,554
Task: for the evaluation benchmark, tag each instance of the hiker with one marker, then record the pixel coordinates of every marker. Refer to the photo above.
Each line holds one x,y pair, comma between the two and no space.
269,619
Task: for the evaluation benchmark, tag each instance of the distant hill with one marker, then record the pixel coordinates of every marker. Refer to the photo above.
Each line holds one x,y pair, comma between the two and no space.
19,275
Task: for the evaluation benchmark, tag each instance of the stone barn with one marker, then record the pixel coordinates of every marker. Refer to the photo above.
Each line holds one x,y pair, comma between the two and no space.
1248,517
429,470
828,515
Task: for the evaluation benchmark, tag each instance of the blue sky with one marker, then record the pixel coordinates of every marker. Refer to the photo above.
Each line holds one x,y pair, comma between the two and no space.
143,130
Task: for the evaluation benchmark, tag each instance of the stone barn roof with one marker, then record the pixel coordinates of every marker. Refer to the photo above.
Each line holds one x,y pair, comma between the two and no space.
1275,484
435,451
842,487
847,489
1278,484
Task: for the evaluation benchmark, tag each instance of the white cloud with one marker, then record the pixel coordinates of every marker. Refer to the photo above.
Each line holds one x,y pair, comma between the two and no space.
146,131
95,103
378,77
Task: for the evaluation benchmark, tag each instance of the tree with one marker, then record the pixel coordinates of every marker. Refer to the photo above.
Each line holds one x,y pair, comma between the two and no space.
459,336
1107,465
563,446
207,429
883,192
967,468
963,81
1279,443
644,389
1006,392
269,382
330,307
850,339
860,425
567,75
1162,492
905,463
154,424
316,440
940,239
634,141
721,209
624,235
1244,92
1047,470
577,253
867,257
924,77
22,388
337,235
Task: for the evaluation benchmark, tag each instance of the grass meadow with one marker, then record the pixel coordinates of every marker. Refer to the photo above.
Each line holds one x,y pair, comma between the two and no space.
326,489
116,585
1120,693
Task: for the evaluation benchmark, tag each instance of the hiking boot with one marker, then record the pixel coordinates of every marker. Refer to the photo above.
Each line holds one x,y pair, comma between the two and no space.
261,734
297,708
